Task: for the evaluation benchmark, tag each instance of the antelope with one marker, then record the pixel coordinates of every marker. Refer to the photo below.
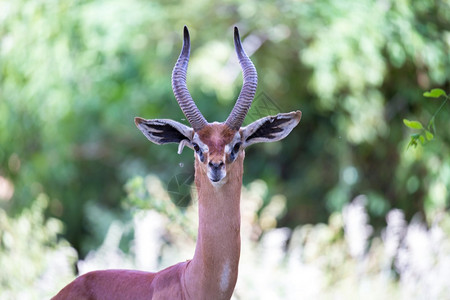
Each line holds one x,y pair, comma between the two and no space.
219,155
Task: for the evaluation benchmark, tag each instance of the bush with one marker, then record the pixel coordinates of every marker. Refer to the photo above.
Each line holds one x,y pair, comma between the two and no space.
343,258
34,261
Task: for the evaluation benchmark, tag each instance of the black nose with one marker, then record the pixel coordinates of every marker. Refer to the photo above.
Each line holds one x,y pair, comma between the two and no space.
215,166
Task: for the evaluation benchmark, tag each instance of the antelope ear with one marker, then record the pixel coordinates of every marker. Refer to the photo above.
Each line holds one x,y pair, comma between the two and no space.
270,129
164,131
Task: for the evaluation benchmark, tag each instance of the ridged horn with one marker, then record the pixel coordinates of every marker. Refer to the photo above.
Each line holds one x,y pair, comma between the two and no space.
180,90
244,101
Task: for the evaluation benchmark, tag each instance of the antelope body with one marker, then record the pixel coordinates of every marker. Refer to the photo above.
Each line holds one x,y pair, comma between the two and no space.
219,155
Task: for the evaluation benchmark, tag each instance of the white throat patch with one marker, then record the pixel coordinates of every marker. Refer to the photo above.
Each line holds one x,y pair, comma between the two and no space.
225,277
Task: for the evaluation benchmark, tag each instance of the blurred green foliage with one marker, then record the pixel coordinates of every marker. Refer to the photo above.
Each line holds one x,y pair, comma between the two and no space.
74,74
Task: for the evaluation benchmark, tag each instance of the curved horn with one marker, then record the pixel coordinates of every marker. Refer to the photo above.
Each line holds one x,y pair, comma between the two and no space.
180,90
244,101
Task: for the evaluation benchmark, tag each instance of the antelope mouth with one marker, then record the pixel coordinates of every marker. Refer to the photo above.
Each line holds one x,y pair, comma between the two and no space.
216,176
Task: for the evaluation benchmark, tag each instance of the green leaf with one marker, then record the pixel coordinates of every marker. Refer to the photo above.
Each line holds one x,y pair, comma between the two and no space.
422,139
429,135
434,93
413,124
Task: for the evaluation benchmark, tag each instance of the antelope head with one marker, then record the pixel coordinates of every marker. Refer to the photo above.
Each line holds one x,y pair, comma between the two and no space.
217,145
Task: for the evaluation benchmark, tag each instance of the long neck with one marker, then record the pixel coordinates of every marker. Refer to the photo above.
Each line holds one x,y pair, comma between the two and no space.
213,271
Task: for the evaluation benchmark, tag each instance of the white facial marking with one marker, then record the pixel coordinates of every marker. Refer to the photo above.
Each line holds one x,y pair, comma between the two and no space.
220,183
225,277
203,146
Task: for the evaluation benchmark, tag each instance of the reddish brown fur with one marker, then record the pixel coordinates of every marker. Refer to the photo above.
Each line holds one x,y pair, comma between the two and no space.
127,284
218,239
216,136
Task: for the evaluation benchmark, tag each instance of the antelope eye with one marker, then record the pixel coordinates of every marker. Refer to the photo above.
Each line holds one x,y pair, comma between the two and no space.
236,147
196,147
234,152
199,152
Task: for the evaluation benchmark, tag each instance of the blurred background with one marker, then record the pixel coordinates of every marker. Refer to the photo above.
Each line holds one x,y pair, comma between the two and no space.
339,209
